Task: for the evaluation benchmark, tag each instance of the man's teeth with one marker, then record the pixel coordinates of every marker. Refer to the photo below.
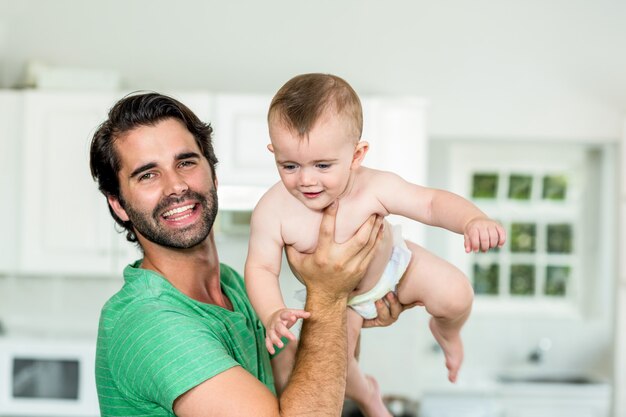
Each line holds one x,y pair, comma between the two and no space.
177,210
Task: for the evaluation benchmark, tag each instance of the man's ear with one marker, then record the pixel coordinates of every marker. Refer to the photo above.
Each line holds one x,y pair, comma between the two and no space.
270,148
359,153
114,202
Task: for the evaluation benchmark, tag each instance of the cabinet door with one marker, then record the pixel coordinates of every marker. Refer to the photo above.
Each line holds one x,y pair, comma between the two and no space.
10,115
396,131
65,224
241,139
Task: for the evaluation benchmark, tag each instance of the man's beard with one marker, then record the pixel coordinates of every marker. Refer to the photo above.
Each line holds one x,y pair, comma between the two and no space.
149,225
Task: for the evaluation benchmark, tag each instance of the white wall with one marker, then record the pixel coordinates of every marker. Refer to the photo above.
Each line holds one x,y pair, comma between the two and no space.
490,68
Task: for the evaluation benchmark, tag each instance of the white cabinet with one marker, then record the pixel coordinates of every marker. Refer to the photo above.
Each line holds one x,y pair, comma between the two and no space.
558,401
394,127
240,140
65,226
519,400
59,223
64,223
10,105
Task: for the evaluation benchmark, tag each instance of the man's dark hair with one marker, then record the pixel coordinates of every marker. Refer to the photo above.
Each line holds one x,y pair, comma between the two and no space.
133,111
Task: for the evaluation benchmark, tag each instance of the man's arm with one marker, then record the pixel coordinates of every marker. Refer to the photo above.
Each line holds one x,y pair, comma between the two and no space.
317,384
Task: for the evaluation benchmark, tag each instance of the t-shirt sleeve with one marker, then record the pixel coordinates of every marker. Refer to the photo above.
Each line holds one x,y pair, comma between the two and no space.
159,353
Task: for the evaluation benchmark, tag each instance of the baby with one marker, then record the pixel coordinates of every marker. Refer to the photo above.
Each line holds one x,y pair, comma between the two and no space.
315,124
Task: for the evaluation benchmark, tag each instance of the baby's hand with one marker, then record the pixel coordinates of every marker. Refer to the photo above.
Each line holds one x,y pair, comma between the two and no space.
482,234
279,324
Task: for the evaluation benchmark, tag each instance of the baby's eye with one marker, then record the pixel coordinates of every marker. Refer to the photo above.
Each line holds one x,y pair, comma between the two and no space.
289,167
323,166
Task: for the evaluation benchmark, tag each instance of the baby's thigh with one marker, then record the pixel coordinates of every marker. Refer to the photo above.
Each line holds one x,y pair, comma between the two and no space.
355,323
430,279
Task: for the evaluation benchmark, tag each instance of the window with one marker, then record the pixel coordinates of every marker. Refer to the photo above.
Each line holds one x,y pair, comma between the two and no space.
548,198
539,259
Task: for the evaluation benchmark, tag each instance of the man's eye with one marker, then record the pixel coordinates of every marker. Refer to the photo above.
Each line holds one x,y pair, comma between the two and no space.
146,176
184,164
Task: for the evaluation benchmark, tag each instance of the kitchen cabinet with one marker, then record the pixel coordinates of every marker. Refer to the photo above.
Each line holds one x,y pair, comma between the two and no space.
10,105
394,128
240,141
560,401
519,400
64,224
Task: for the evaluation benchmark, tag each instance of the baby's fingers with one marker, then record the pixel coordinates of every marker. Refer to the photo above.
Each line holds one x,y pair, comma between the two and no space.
472,241
501,235
283,331
269,345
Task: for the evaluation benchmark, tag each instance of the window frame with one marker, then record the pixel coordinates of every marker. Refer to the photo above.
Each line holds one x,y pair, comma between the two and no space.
590,167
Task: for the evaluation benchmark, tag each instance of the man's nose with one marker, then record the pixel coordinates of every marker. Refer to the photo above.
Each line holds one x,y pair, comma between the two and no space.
175,184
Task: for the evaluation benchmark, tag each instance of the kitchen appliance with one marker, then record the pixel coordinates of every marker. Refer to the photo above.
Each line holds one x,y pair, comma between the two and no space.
47,377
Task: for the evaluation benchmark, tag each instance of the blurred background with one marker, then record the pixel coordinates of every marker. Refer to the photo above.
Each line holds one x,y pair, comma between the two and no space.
519,106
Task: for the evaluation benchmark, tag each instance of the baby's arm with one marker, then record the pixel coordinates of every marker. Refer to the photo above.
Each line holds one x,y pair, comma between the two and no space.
439,208
261,275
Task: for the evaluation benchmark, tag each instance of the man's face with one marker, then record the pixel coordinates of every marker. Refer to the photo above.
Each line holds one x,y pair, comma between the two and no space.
316,169
167,190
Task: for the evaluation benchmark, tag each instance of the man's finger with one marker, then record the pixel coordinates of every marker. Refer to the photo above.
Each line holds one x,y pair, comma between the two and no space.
327,226
376,234
395,307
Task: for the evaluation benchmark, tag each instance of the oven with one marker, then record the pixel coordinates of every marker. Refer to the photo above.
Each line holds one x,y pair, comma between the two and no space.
47,377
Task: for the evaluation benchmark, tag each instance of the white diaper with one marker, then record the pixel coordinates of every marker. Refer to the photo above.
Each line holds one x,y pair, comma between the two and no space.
399,261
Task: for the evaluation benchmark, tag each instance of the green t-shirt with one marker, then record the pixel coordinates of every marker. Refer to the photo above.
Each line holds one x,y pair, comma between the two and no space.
155,343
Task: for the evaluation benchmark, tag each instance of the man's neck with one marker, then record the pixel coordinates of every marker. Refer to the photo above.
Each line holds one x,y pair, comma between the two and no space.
195,272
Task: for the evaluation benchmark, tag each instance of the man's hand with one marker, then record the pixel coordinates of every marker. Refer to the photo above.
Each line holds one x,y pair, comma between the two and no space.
482,234
388,309
278,326
334,269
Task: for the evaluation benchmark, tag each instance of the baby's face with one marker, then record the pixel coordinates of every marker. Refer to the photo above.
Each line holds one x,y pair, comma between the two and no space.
315,169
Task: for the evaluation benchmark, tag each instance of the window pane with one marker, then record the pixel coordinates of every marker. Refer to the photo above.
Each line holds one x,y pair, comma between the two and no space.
523,237
520,187
556,280
485,185
486,279
522,280
559,238
554,187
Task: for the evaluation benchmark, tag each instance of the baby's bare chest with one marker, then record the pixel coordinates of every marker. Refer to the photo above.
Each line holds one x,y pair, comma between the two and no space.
300,226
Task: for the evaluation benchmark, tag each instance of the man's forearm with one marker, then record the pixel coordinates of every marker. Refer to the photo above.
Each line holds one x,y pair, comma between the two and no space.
317,384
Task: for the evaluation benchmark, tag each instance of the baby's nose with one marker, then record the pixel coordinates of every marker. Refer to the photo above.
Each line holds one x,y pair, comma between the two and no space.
307,177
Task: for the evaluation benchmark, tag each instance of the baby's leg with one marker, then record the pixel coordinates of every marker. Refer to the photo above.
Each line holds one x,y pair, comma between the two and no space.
447,295
362,389
282,365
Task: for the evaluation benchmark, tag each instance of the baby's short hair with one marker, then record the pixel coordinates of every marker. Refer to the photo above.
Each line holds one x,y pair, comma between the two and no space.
302,100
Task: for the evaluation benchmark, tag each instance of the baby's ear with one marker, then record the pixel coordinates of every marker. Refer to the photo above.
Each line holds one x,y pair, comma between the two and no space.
270,148
359,153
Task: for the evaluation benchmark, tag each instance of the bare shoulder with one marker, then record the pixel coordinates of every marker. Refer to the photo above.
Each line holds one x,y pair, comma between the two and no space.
274,200
377,179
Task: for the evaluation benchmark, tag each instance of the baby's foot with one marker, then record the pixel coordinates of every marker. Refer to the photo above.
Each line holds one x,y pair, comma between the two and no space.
374,407
452,347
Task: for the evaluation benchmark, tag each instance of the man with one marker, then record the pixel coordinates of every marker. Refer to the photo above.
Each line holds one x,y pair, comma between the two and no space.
180,338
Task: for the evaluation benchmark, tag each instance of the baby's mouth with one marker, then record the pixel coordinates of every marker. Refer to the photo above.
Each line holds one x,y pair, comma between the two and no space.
311,195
